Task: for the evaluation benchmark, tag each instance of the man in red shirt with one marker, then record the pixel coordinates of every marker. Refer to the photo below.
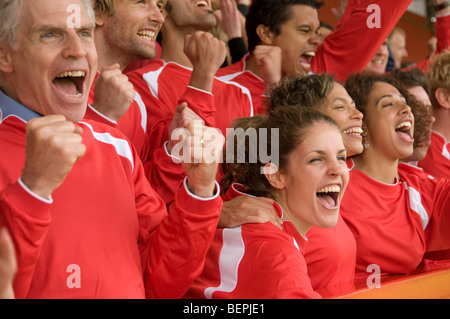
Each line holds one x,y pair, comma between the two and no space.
437,160
84,220
281,46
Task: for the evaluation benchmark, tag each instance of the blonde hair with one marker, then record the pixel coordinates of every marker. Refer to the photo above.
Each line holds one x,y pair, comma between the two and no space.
439,75
10,17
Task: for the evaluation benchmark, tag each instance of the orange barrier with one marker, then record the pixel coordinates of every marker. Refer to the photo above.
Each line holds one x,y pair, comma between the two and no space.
428,285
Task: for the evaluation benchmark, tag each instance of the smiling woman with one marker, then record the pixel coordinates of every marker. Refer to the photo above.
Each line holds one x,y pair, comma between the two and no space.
252,260
395,217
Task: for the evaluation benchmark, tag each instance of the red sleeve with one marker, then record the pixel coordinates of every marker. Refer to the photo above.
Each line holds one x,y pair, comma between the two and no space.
201,102
436,196
28,220
164,174
349,48
172,245
179,245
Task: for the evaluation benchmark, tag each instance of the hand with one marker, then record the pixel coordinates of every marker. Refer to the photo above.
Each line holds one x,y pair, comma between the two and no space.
339,12
229,19
200,150
8,265
53,145
113,92
268,58
207,55
182,117
249,210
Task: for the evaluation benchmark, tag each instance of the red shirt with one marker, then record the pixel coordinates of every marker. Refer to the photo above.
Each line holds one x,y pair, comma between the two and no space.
395,224
104,220
437,160
254,261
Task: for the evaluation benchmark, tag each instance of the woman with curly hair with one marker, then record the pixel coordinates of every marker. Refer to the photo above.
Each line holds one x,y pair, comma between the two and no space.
307,184
395,217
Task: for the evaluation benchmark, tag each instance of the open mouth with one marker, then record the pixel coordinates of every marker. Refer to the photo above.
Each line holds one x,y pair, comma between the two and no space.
201,3
70,83
328,196
404,131
305,59
147,34
354,131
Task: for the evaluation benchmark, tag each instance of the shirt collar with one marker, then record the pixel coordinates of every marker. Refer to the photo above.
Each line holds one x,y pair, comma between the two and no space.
10,107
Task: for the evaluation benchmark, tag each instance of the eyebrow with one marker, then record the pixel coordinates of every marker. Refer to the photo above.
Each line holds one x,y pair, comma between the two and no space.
323,152
389,96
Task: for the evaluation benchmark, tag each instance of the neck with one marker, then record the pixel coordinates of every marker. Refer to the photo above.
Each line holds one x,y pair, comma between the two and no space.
108,56
442,123
301,226
172,46
380,168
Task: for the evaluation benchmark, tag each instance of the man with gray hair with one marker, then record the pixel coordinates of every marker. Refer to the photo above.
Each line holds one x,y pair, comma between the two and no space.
73,194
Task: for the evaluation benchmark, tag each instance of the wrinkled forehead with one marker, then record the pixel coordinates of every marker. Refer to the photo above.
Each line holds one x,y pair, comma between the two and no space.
61,13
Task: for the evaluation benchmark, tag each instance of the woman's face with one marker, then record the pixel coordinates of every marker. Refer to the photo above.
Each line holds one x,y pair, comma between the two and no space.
341,108
390,122
314,181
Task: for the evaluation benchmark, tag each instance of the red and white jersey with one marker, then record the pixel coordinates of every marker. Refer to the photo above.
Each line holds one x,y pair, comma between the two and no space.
437,160
395,224
408,168
237,73
336,55
162,86
133,123
254,261
105,233
331,255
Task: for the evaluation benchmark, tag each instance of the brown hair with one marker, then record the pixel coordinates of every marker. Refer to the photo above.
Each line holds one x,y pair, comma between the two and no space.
292,123
301,90
359,86
439,75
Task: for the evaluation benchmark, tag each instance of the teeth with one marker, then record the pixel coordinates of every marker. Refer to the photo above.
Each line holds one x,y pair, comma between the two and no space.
354,130
74,74
330,189
201,3
310,53
147,34
76,96
405,124
306,65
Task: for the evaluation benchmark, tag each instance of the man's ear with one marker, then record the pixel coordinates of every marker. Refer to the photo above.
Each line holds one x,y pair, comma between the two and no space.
443,97
6,65
274,176
265,34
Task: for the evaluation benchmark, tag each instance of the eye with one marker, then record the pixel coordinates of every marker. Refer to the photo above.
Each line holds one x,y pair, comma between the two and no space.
315,159
342,158
339,107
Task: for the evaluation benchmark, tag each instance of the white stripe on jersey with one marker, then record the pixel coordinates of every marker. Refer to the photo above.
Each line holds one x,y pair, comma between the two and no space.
230,257
415,202
122,147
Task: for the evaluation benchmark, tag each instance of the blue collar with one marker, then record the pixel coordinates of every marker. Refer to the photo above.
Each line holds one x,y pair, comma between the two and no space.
10,107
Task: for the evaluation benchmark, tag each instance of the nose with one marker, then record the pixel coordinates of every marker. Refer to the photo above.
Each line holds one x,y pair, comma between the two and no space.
156,13
356,114
315,38
336,168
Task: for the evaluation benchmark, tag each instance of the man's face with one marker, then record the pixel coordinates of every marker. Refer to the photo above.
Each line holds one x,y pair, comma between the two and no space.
397,44
196,14
53,65
298,40
131,31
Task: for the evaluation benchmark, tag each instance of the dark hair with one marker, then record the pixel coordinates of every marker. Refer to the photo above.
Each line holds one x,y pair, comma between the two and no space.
272,14
359,86
292,123
411,78
301,90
